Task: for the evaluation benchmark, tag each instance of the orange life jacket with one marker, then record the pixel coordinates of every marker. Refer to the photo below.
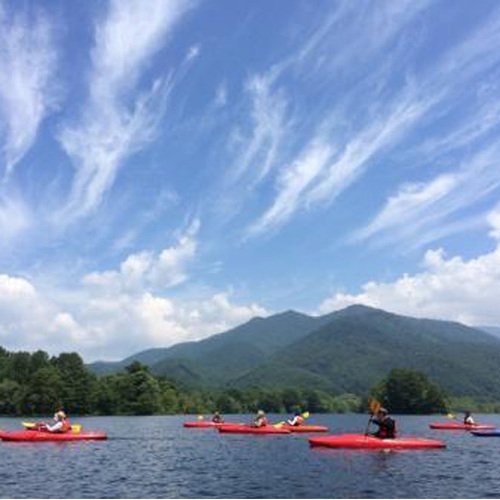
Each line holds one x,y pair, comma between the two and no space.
66,426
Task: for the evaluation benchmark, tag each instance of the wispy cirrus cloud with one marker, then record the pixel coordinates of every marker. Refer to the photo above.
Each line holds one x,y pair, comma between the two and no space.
417,209
419,101
28,90
15,217
119,119
269,125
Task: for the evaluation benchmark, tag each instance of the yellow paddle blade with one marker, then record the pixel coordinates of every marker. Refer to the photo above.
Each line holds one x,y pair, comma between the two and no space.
306,414
200,417
374,406
29,425
76,428
279,425
451,415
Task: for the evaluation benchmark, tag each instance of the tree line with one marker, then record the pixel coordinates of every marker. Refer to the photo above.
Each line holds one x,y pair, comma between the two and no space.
36,384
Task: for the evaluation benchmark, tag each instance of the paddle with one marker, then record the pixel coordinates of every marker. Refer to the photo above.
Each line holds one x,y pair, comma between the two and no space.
374,406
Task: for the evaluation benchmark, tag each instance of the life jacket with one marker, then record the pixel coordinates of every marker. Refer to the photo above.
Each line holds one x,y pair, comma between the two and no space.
66,426
261,422
387,429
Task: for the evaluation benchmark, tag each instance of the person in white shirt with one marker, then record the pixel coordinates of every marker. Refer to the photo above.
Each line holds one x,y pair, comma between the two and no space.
468,419
61,423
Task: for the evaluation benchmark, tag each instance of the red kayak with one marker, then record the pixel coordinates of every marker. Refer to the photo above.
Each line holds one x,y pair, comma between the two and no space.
33,436
361,441
206,424
460,427
247,429
305,428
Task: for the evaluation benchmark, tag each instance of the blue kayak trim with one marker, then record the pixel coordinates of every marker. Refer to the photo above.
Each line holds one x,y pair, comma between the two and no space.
487,433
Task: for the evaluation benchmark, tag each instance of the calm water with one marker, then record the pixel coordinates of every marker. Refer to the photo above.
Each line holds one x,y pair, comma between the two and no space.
155,457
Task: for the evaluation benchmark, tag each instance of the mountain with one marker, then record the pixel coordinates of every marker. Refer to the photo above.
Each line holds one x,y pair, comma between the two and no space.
359,345
345,351
492,330
225,356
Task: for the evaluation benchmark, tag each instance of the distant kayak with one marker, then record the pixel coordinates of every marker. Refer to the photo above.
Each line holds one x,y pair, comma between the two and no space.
457,426
305,428
33,436
247,429
361,441
206,424
487,433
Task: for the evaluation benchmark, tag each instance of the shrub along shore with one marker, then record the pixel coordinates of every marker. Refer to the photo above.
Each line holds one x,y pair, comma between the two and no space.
35,384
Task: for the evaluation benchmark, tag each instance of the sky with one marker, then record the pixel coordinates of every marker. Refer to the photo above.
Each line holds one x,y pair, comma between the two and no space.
170,169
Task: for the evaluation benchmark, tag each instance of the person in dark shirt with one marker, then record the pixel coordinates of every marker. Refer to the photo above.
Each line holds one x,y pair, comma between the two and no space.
386,425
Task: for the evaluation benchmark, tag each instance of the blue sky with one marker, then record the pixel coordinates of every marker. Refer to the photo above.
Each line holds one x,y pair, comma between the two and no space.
170,169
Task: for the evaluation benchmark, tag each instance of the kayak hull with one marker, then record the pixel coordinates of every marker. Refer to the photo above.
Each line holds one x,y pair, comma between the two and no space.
205,424
305,428
363,442
487,433
246,429
460,427
201,425
37,436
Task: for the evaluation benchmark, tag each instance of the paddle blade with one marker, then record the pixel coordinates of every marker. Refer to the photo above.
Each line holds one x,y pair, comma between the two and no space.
76,428
451,415
200,417
279,425
29,425
306,414
374,406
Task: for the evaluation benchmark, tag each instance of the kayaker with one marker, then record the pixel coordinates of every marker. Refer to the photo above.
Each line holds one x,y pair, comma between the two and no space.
386,425
260,419
468,418
217,418
61,423
298,419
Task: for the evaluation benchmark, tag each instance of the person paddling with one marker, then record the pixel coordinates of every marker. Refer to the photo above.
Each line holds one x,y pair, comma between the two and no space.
298,419
260,420
217,418
468,418
61,423
386,425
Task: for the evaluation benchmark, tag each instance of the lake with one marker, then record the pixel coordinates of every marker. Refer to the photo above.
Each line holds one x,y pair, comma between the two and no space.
155,457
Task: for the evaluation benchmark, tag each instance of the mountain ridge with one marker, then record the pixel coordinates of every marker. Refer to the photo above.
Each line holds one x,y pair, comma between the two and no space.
344,351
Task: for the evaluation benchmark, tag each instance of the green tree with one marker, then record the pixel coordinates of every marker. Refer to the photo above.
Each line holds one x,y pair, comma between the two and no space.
140,391
10,397
409,391
43,394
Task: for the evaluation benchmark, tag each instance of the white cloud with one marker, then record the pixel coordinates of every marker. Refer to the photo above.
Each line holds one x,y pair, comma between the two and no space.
15,217
193,53
291,183
118,120
269,126
104,324
221,95
28,60
391,112
447,288
147,270
416,210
